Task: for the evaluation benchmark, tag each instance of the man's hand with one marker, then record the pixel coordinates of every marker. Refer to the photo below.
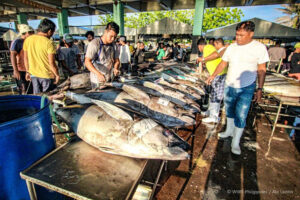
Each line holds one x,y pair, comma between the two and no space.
257,96
56,79
199,60
27,76
17,75
101,78
116,71
209,80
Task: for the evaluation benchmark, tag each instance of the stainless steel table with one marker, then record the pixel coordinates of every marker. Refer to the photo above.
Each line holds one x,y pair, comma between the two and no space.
81,171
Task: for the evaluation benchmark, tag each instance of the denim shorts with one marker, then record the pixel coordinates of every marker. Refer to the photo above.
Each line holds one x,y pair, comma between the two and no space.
237,103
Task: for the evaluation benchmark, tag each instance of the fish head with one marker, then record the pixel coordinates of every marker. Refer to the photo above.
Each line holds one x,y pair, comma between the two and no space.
150,140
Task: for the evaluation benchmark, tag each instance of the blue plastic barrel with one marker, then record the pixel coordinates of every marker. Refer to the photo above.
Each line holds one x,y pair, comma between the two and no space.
25,137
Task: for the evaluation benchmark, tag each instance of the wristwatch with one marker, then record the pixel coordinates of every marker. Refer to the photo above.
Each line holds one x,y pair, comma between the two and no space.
259,89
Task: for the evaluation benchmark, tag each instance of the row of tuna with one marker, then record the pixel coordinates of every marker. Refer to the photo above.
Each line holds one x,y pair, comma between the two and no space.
162,100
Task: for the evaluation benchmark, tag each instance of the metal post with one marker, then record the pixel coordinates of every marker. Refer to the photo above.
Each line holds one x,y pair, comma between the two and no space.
273,129
119,15
63,24
22,18
197,28
31,190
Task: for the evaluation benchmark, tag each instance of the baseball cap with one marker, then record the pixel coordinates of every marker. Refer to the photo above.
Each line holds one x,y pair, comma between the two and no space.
24,28
68,38
297,45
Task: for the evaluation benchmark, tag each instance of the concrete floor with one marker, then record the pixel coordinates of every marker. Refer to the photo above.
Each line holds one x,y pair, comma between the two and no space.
215,173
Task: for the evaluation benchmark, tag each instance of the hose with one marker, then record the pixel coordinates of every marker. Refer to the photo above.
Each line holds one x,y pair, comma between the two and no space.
53,115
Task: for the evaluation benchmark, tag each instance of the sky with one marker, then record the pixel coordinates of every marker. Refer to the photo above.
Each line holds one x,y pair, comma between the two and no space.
269,13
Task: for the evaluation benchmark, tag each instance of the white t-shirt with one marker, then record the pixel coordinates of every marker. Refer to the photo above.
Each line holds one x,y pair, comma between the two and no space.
243,61
124,54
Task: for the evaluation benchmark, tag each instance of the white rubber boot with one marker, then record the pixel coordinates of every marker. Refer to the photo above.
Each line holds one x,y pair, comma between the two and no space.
235,144
214,109
229,129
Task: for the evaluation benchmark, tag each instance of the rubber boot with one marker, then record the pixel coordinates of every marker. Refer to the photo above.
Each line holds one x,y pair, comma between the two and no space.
235,144
214,109
229,129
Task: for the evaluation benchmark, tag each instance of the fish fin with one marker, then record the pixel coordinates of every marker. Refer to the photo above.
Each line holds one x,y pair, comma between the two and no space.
106,149
112,110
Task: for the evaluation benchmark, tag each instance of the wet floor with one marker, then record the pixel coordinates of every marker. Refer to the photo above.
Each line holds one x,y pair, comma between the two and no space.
215,173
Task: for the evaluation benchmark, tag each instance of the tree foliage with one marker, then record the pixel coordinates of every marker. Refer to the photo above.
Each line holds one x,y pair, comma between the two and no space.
292,17
213,17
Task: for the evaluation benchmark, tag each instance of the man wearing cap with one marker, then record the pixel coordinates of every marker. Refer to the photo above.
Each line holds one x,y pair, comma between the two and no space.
102,56
69,55
295,63
39,57
17,58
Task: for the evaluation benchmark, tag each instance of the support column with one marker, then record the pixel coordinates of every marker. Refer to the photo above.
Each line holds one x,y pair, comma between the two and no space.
63,24
197,28
22,18
119,15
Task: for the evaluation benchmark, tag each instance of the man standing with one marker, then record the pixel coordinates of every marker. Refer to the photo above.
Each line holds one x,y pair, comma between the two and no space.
246,59
102,56
17,58
70,55
220,46
276,53
39,54
295,63
139,55
125,57
211,59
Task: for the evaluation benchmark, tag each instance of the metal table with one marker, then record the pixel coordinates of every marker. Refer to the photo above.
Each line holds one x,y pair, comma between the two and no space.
81,171
282,100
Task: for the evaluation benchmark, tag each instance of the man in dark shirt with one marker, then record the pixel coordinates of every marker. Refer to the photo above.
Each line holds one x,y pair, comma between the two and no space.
295,63
17,58
139,56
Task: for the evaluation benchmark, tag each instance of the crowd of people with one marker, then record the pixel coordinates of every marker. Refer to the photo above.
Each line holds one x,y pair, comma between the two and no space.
233,68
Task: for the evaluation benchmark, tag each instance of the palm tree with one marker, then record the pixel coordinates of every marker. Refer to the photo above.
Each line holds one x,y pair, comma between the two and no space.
292,18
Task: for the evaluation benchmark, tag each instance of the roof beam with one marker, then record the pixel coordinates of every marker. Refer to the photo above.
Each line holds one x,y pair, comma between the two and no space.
165,4
248,2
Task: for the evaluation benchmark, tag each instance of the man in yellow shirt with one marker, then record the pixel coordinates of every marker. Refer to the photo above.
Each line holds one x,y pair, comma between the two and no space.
39,57
211,58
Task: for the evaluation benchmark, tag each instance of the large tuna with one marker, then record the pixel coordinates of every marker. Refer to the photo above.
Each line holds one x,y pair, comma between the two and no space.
161,110
112,130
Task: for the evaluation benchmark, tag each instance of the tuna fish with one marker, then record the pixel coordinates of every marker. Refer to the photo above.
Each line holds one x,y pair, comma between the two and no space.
113,131
77,81
159,109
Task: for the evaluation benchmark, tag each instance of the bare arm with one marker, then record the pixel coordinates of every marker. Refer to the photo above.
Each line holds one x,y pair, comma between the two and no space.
219,69
116,66
261,73
53,67
13,59
26,63
212,56
89,65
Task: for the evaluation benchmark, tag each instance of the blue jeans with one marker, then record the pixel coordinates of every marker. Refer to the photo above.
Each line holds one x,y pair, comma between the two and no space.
237,103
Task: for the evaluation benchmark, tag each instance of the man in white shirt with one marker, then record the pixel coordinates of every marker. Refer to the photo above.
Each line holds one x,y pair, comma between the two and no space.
246,59
125,56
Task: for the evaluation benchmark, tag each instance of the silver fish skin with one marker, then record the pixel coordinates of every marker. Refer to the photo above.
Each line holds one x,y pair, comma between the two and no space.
167,116
122,136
